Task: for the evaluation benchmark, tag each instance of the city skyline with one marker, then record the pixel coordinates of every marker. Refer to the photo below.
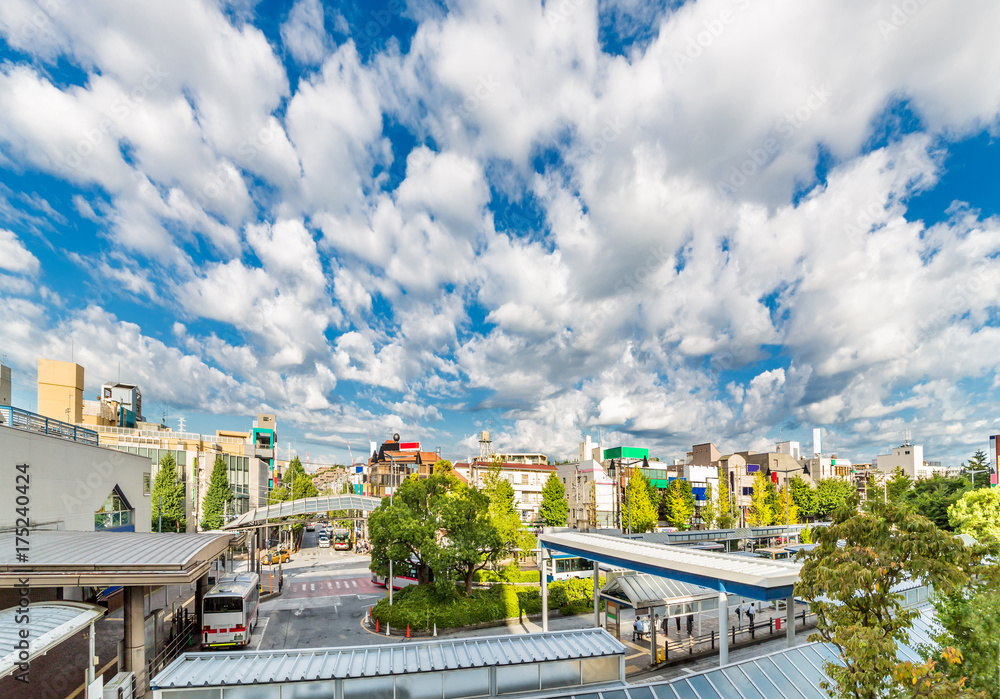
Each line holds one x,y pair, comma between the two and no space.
545,221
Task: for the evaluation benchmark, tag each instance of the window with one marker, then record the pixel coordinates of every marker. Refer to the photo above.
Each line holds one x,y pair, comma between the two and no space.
114,513
524,479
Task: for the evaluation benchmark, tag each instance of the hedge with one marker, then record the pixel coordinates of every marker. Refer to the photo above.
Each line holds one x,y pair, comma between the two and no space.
420,607
510,574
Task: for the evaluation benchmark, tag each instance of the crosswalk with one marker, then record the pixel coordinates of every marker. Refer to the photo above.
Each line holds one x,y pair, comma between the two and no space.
326,588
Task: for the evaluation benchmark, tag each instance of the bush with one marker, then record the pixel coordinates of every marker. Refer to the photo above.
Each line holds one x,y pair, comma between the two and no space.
510,574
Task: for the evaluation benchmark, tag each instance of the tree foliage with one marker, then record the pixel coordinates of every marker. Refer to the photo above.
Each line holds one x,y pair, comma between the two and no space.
167,486
710,510
640,511
898,485
832,494
787,510
932,497
295,483
803,496
761,513
554,507
850,590
503,511
219,494
680,503
977,513
725,517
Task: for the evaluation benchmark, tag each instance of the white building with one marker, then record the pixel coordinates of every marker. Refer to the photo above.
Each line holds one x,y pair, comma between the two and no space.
527,480
910,458
70,483
827,467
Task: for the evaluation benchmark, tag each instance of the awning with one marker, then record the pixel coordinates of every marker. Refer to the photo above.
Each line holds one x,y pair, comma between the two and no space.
643,590
48,624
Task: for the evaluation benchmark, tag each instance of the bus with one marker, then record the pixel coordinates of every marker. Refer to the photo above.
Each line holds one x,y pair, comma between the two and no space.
230,611
568,566
341,539
776,553
402,576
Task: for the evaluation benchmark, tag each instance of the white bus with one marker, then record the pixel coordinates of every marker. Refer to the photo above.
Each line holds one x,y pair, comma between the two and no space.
230,611
402,576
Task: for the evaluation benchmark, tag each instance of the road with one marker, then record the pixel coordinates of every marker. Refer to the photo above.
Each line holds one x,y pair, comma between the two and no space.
325,597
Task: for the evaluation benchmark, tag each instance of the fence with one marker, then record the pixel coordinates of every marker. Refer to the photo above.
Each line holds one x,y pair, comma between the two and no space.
708,642
184,633
32,422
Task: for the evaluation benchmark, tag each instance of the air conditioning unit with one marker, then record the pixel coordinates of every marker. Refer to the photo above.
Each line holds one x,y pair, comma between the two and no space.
121,686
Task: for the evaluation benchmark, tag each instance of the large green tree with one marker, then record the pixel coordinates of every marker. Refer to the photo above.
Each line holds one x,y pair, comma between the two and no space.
503,512
295,484
977,513
168,490
554,507
848,581
680,503
898,484
803,496
219,494
472,538
833,493
932,497
761,513
639,510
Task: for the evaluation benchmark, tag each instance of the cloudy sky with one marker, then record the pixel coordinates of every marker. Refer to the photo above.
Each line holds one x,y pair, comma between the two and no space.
713,220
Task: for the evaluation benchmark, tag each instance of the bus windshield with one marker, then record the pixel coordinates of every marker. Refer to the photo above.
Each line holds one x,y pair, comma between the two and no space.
341,535
223,605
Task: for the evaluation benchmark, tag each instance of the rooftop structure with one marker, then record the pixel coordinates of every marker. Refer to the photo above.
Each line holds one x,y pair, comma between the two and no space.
51,624
304,508
32,422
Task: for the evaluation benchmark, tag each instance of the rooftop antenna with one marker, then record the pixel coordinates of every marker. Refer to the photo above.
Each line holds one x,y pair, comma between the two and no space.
180,424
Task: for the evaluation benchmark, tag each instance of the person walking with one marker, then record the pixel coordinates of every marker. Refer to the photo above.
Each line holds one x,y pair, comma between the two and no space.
739,614
690,624
665,627
751,612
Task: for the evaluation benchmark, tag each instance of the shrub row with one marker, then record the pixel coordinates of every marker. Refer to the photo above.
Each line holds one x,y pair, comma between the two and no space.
509,574
421,607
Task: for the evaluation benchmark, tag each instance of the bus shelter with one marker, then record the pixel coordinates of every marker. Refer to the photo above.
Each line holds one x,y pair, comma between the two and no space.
724,574
649,594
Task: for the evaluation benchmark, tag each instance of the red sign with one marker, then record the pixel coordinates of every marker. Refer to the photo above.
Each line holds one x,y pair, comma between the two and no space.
409,445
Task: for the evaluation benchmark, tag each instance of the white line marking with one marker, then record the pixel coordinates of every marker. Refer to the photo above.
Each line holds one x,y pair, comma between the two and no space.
354,582
338,584
312,587
329,585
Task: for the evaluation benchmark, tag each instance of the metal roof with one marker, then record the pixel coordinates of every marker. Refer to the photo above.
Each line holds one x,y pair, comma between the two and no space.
793,673
109,558
643,589
304,506
49,624
758,578
270,667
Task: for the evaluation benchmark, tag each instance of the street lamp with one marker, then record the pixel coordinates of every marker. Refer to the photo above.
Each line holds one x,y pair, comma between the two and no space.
974,472
392,480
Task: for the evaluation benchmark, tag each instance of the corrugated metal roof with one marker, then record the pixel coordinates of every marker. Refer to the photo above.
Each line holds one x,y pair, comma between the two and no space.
49,624
762,573
643,589
305,506
263,667
90,551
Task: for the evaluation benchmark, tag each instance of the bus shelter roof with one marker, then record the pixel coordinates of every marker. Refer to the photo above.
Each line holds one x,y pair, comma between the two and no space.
644,590
303,507
77,559
51,623
311,664
759,579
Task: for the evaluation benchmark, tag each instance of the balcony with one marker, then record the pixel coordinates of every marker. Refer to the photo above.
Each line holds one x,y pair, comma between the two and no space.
263,452
32,422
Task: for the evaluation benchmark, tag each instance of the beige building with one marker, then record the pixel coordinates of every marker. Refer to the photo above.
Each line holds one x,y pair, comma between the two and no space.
527,480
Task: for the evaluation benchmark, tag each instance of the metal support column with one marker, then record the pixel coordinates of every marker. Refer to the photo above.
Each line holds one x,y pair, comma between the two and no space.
723,629
545,589
135,637
200,588
790,621
90,655
597,595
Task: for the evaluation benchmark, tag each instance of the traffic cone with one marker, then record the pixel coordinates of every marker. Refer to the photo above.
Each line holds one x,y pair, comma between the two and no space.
407,630
376,626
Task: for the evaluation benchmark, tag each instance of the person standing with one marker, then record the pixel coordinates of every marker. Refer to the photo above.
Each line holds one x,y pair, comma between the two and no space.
751,612
636,628
739,614
666,627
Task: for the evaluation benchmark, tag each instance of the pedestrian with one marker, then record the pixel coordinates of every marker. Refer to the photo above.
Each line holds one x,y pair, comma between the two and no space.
739,614
690,624
644,626
666,626
751,611
636,628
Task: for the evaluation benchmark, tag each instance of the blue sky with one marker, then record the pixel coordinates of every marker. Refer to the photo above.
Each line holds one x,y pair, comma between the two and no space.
722,220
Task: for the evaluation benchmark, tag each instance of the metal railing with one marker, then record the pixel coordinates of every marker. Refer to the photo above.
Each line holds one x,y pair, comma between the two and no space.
32,422
184,633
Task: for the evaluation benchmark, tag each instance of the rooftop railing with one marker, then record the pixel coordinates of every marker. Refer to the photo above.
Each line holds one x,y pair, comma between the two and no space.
32,422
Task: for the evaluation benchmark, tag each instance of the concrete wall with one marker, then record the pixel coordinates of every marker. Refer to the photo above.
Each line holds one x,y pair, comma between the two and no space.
69,481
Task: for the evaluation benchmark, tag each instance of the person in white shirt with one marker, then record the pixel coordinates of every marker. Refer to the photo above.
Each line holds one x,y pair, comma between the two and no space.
739,614
751,610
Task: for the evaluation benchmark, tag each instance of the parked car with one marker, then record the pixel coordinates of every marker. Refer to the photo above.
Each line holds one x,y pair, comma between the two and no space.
310,526
324,541
270,558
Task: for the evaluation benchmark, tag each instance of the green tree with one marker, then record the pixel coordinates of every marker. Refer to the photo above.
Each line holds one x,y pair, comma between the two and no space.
803,496
167,486
404,528
710,510
295,484
503,512
833,493
761,513
932,497
848,581
725,516
787,511
969,620
680,503
977,513
472,539
898,485
639,509
219,494
554,507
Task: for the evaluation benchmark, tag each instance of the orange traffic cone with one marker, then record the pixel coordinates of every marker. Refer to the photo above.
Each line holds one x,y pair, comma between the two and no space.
407,630
376,626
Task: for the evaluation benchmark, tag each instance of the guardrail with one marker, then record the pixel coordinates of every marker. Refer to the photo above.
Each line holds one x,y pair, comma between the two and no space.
32,422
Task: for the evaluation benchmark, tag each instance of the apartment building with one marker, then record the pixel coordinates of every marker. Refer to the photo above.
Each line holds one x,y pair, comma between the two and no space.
527,480
393,462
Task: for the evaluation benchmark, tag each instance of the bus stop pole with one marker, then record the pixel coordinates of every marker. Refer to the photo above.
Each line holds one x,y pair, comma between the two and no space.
597,595
723,623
